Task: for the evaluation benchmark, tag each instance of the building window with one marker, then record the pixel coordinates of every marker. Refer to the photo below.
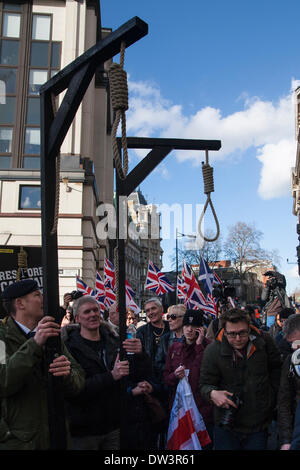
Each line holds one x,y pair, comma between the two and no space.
30,197
28,58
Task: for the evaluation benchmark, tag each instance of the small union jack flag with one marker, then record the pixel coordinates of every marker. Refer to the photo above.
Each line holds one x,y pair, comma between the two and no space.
156,281
181,289
81,286
100,292
216,279
130,303
110,297
194,297
212,303
109,274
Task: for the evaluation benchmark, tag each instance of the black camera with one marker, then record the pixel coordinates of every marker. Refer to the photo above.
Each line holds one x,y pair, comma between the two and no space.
228,414
275,279
76,294
223,291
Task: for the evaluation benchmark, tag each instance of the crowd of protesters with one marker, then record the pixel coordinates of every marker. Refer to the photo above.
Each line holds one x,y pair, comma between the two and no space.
242,377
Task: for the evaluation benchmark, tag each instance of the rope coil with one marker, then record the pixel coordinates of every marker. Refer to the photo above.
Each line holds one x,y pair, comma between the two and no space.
119,98
22,262
208,179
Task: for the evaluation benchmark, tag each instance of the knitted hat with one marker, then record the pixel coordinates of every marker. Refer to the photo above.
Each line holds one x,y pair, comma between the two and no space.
193,317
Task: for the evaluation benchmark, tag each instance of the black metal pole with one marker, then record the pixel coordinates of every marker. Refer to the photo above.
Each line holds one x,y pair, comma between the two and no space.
121,273
176,247
56,410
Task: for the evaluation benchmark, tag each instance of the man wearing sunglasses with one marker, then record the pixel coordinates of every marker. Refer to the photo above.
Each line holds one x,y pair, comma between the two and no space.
240,375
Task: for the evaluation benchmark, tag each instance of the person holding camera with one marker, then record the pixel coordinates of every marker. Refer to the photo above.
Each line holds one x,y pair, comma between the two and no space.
240,375
274,297
188,355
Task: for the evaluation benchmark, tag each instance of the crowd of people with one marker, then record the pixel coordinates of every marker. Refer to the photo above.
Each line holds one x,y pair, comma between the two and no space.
243,378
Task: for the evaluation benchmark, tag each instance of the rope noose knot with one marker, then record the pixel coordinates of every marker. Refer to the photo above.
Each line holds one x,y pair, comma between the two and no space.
208,179
118,87
22,262
119,97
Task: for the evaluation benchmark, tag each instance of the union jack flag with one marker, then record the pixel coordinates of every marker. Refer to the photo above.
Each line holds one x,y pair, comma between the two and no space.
110,297
81,286
216,279
194,297
129,291
156,281
109,274
130,303
100,292
181,289
212,303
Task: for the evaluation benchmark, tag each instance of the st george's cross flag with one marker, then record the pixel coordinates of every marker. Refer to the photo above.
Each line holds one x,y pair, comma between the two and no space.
187,430
157,281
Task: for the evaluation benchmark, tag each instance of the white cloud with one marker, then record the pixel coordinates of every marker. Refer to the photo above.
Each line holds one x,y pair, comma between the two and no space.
266,126
277,160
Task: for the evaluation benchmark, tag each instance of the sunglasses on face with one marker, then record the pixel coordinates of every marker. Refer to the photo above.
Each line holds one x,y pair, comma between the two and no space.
172,316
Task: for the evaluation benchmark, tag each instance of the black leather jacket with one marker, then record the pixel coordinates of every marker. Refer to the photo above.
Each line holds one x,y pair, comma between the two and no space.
96,410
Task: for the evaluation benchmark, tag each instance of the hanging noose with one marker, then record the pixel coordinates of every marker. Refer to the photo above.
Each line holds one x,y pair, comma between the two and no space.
22,263
208,178
119,97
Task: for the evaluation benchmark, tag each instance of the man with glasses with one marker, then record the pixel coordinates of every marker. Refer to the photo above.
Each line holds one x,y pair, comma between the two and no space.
240,375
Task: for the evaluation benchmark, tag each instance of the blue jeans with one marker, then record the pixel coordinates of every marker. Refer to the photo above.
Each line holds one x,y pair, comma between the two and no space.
226,439
270,320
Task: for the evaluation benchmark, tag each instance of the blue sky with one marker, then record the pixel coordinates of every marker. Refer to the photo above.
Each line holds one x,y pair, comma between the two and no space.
219,70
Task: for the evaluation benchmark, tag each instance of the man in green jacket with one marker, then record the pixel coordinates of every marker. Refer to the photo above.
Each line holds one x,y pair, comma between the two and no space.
23,380
243,362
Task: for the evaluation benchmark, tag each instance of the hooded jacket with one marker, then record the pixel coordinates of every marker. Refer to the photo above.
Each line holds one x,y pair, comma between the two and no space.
23,390
255,378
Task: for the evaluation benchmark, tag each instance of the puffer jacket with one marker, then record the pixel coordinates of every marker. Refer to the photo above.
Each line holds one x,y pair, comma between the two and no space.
96,410
189,355
23,390
288,397
255,378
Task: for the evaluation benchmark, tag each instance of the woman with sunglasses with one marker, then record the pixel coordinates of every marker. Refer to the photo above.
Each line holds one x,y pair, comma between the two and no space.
174,317
188,355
